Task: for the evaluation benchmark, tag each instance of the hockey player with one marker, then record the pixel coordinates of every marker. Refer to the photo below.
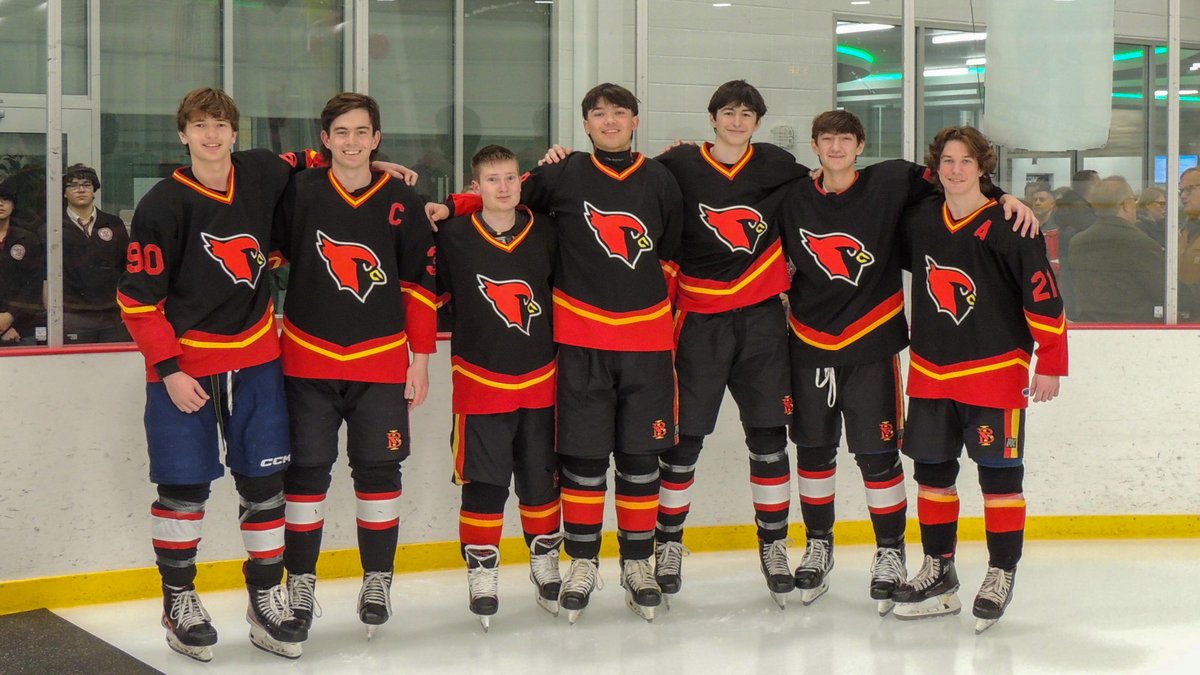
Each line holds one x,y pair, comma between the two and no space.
982,296
495,266
619,218
194,299
847,322
360,299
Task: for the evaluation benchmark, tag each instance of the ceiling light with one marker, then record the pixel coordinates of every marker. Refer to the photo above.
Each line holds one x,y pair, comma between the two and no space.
957,37
977,61
722,4
945,72
845,28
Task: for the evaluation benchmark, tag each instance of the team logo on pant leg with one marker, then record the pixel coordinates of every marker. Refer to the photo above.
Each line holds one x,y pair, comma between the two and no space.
839,255
354,267
658,429
622,235
986,435
887,430
788,405
512,300
394,441
239,256
738,227
953,292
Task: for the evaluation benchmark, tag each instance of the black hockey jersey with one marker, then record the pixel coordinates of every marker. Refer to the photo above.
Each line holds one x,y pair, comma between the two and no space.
731,256
361,286
502,341
193,287
22,272
618,245
93,263
846,296
981,295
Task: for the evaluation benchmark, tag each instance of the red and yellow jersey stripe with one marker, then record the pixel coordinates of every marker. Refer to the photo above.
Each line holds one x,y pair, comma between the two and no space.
479,391
382,359
583,325
765,278
879,316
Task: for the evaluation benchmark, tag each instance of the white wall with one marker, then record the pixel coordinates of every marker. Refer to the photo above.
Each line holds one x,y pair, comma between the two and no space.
74,497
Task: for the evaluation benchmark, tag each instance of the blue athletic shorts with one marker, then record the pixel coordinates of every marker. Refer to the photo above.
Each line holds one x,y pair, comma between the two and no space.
246,417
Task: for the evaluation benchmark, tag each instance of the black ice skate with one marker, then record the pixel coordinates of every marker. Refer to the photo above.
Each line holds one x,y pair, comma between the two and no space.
668,564
994,596
189,627
302,598
887,573
272,627
812,576
773,560
543,570
483,580
931,593
375,600
583,577
642,594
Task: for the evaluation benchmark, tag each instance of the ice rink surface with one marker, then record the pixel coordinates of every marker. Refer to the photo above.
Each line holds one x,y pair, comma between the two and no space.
1128,606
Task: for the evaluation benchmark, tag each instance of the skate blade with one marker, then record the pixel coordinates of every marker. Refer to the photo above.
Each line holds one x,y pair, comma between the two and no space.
202,654
644,612
548,605
485,621
942,605
984,624
573,615
809,595
884,606
371,632
780,599
263,640
667,600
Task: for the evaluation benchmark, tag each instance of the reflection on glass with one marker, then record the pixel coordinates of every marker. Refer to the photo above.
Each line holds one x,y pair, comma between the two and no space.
869,68
22,233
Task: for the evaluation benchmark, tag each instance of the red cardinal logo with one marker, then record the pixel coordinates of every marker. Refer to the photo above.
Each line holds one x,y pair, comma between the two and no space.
238,255
512,300
953,292
621,234
738,227
840,255
354,267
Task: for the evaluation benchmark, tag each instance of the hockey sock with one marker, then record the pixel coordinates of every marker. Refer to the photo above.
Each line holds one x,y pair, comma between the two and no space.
816,468
481,518
175,524
770,480
677,468
584,482
260,513
539,519
636,494
937,506
883,478
377,493
1003,514
304,489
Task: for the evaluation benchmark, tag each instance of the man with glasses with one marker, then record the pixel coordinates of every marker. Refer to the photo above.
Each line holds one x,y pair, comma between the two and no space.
94,246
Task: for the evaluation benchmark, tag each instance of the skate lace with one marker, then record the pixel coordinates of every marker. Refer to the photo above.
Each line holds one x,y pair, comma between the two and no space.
544,567
775,557
302,593
996,585
928,576
888,565
668,557
483,572
272,604
816,555
638,574
376,590
186,610
583,576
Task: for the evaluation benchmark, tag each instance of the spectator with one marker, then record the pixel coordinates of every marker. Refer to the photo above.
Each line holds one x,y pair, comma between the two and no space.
94,244
1043,202
22,276
1118,270
1189,234
1073,214
1152,214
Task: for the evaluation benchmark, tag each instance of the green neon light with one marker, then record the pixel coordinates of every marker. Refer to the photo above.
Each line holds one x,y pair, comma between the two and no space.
882,76
856,53
1125,94
1136,54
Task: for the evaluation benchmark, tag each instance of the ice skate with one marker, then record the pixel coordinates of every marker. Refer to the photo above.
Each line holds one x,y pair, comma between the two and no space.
887,573
189,627
302,598
583,577
375,600
994,596
668,564
812,576
642,594
272,627
773,559
931,593
543,570
483,578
